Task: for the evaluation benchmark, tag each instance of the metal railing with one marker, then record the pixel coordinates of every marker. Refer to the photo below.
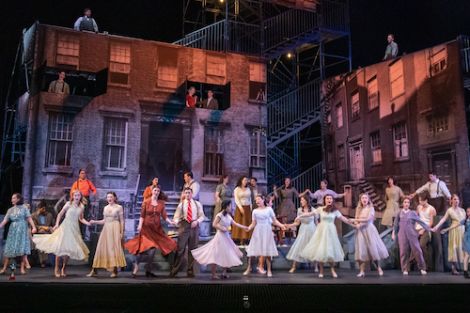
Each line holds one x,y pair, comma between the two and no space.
294,106
465,53
334,15
225,36
308,179
287,26
280,165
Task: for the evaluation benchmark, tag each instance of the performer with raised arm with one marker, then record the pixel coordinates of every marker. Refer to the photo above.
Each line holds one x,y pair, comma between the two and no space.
320,194
325,246
221,250
66,241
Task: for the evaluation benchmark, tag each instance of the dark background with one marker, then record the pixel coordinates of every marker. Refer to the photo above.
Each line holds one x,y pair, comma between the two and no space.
417,24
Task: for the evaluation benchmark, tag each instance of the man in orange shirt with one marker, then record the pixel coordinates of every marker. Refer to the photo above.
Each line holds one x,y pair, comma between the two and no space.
85,186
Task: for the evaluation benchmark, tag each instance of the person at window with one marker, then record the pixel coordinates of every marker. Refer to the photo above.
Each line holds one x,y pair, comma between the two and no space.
210,103
86,22
191,98
44,222
59,85
392,48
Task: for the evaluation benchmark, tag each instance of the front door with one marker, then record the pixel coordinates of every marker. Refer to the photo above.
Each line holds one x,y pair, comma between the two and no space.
356,161
442,163
165,156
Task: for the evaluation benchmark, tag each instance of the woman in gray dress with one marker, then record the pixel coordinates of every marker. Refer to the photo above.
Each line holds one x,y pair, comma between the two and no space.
287,211
393,194
222,192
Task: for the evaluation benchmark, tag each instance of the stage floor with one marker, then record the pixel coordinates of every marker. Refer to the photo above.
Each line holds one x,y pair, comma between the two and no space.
284,292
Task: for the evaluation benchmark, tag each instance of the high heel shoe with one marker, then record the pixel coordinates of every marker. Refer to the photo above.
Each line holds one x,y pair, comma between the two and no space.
113,275
423,272
92,274
292,270
261,270
320,275
247,272
361,274
149,274
333,273
270,274
381,272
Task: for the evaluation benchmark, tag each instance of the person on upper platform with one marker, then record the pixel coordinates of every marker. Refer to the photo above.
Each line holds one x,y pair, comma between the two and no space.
391,51
86,22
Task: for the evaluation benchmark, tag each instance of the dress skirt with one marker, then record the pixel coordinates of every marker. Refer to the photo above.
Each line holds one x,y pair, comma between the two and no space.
325,245
455,252
109,253
245,219
221,250
262,242
304,236
369,246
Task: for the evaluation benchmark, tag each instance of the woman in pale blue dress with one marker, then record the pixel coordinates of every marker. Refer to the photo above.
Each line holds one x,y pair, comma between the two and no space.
306,231
18,243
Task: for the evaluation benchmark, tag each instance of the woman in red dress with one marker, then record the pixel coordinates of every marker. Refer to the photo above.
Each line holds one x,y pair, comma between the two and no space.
191,98
150,233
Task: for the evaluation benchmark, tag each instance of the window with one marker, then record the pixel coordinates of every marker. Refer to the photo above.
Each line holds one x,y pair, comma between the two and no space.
400,141
355,105
375,147
59,145
341,158
115,143
167,67
397,81
373,93
437,125
438,61
258,148
339,115
329,155
68,50
257,88
120,63
215,69
213,151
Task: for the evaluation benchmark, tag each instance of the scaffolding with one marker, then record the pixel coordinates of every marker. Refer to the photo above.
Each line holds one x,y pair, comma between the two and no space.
301,48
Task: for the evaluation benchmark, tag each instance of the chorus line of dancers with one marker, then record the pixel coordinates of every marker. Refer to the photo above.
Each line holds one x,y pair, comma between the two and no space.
317,241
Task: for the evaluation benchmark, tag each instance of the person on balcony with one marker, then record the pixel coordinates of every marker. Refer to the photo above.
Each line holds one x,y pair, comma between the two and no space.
320,194
210,103
391,51
191,98
59,85
86,22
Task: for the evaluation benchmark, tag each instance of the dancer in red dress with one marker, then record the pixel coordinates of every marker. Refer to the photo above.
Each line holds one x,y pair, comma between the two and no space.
150,233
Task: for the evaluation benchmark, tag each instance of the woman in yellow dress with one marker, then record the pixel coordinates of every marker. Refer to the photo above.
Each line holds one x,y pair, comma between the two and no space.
109,253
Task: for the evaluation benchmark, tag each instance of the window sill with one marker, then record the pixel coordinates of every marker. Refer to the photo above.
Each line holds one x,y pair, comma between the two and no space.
210,179
112,173
376,164
256,102
401,160
396,97
58,170
123,86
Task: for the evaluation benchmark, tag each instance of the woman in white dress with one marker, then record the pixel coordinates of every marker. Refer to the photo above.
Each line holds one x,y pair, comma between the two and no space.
221,250
325,245
306,231
66,240
262,242
368,246
109,253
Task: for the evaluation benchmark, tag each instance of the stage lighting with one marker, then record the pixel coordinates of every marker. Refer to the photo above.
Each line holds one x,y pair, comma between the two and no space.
289,55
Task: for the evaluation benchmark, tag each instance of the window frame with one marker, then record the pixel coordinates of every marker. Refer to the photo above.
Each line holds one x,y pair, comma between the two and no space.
107,146
402,143
214,167
257,152
66,118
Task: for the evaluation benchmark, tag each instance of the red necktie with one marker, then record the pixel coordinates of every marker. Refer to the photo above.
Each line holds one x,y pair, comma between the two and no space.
189,215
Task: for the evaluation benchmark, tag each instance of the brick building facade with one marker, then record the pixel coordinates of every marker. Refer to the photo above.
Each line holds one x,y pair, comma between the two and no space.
126,120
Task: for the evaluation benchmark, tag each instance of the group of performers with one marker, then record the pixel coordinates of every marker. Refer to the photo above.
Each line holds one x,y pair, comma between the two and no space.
317,240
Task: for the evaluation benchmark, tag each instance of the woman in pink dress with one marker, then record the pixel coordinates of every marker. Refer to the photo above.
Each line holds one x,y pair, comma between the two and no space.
369,246
221,250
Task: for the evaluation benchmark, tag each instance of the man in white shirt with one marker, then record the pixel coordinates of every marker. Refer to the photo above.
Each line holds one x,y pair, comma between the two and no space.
320,194
427,213
188,215
86,22
189,182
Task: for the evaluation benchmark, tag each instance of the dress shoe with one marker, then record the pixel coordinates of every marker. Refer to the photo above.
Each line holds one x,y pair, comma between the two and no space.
149,274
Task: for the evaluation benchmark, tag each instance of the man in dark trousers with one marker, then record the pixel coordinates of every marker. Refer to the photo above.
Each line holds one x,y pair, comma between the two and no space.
188,215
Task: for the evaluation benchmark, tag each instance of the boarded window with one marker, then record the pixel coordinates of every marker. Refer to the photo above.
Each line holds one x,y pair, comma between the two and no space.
257,88
68,50
120,63
373,93
167,67
375,147
339,115
397,81
355,105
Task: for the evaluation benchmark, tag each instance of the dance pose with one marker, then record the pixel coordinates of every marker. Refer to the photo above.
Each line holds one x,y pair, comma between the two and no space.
148,190
66,240
408,237
109,254
393,194
455,214
427,213
242,195
221,250
18,242
306,231
368,246
262,241
287,193
151,235
325,245
320,194
466,240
